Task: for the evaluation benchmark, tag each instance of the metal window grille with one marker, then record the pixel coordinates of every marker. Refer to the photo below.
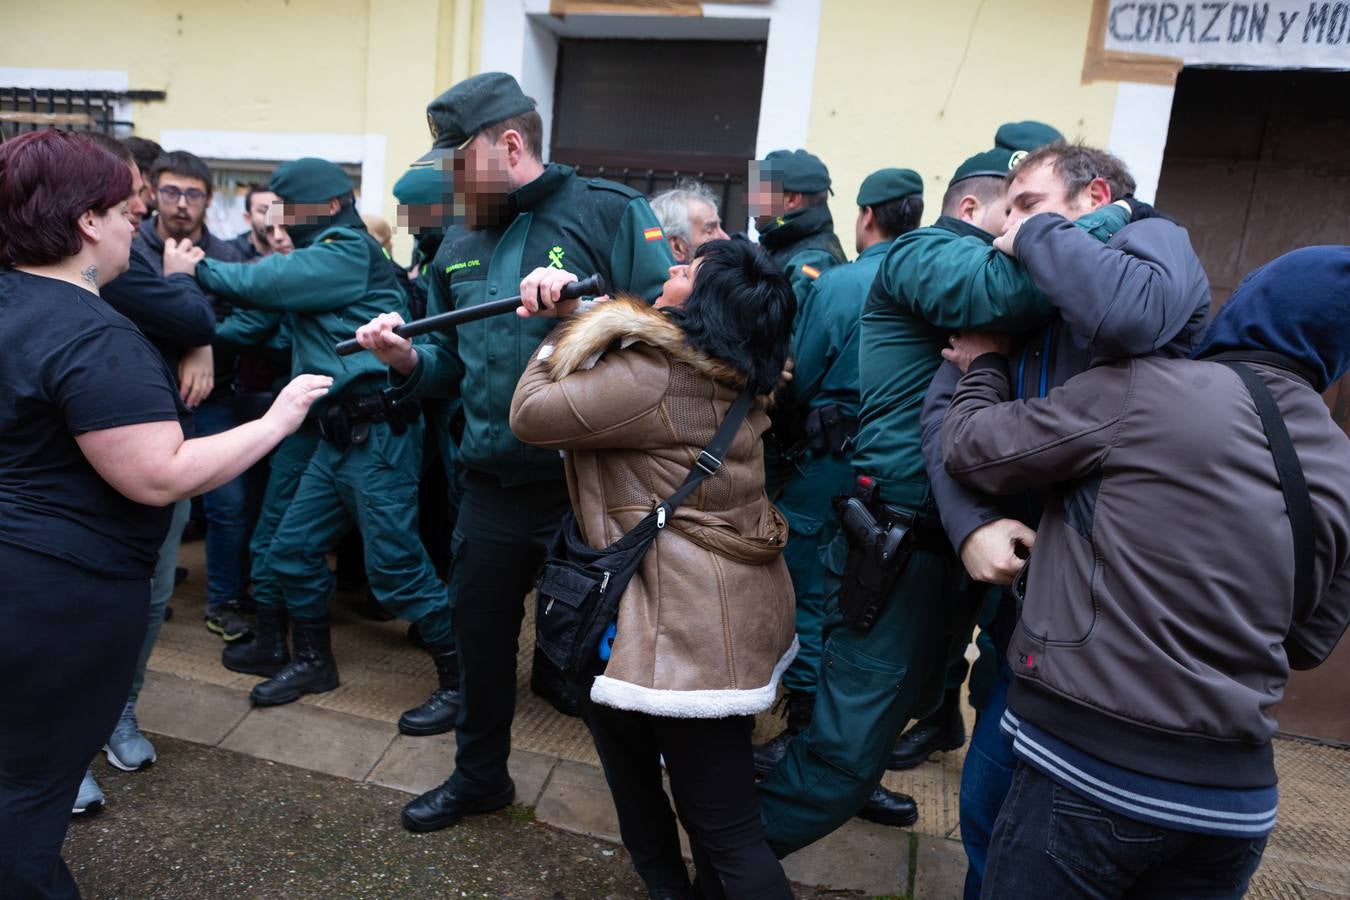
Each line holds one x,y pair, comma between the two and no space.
32,109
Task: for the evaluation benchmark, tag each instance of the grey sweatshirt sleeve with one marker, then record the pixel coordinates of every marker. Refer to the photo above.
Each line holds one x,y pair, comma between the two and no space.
1000,447
1129,296
961,509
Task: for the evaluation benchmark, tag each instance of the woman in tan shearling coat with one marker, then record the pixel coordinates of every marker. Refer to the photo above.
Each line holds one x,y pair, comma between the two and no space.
632,394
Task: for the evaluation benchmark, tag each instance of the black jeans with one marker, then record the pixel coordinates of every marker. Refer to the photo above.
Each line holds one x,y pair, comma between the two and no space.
68,644
499,544
712,779
1052,842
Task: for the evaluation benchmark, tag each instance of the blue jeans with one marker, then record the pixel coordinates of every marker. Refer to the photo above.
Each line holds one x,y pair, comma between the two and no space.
161,591
1052,842
227,520
985,778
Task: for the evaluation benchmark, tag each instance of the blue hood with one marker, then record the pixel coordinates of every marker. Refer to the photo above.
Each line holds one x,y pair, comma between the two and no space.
1297,306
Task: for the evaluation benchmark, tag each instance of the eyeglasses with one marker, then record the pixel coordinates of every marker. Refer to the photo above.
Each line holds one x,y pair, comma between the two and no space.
172,195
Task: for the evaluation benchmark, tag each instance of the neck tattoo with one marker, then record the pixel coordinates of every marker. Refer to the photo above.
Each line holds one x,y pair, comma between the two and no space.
90,277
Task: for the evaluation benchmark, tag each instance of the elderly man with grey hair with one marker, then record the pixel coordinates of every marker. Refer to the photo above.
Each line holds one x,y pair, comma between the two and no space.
689,218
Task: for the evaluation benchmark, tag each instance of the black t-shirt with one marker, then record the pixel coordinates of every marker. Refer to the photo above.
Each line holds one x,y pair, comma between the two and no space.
71,364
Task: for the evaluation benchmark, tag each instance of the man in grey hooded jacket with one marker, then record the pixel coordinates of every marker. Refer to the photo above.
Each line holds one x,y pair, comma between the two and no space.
1153,641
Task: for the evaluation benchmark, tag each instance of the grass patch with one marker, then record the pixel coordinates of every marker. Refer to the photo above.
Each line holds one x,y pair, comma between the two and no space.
520,812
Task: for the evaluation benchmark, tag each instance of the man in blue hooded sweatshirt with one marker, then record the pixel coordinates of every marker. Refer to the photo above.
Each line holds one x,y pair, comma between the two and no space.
1193,549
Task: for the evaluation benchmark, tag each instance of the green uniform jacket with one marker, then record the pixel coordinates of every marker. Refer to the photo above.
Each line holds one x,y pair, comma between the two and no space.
328,289
562,220
933,282
825,334
803,244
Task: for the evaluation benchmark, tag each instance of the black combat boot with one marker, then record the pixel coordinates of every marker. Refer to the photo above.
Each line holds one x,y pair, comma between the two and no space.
890,808
943,729
800,706
264,655
312,671
437,715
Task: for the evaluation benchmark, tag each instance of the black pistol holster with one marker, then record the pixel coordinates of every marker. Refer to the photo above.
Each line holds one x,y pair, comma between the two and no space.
347,422
881,540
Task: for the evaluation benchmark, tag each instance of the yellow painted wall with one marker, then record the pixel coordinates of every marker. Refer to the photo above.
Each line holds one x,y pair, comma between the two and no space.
350,67
894,87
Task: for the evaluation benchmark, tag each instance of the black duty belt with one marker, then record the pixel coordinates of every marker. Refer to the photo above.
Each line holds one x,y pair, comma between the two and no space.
347,422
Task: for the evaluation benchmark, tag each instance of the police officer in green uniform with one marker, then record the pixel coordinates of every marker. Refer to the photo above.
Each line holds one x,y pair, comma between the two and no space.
790,192
825,387
789,198
932,282
945,728
528,227
366,450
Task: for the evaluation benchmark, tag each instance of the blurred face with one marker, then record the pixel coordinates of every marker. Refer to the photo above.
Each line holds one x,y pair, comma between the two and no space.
704,225
181,202
1039,189
766,197
137,205
483,180
281,212
256,214
679,285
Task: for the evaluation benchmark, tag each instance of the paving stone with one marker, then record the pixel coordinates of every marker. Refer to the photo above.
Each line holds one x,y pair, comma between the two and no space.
415,764
577,799
860,856
312,738
191,710
940,869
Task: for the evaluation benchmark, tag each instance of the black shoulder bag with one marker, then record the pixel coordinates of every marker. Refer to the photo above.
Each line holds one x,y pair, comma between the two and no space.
1297,499
580,587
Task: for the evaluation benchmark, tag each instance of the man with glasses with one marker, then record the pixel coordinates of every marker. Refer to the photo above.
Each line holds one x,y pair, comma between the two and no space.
181,184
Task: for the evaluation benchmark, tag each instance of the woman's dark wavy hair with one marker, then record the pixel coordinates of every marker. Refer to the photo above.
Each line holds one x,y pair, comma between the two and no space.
740,311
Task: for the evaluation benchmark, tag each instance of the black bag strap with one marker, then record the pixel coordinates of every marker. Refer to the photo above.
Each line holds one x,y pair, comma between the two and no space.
1297,500
709,459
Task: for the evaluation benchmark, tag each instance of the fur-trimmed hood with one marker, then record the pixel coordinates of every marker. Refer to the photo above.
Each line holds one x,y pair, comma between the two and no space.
624,321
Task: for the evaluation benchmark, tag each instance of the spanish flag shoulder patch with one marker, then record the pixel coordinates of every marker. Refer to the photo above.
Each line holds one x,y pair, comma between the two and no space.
653,234
810,271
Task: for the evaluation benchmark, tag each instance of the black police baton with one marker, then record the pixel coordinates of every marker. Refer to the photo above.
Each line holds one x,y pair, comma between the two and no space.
593,286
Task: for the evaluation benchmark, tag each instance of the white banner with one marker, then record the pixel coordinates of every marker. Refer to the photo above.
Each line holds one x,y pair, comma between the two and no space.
1278,34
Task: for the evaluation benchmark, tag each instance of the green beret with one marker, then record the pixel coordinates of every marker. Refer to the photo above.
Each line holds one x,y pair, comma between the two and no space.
886,185
1025,136
425,186
456,116
309,180
796,170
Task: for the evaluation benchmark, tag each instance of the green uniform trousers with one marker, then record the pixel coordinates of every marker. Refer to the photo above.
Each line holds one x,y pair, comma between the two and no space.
285,466
870,685
373,486
812,527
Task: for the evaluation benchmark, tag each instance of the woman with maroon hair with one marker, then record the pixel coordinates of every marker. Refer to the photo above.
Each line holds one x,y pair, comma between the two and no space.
91,456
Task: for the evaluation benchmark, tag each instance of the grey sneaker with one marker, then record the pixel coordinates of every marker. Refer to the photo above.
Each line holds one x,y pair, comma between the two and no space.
128,749
226,621
90,798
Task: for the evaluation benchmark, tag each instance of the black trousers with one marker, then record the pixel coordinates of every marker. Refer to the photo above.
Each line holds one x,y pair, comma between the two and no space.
712,780
1054,843
69,641
500,540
